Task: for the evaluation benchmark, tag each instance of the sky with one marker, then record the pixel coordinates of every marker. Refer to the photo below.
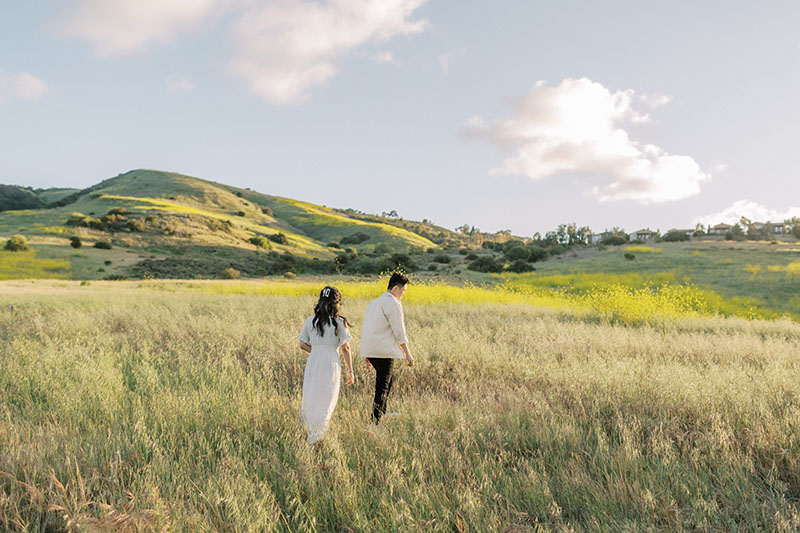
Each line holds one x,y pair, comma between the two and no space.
504,115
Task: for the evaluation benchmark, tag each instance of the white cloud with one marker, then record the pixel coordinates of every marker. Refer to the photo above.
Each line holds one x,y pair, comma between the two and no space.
126,26
23,85
384,57
283,49
177,83
749,209
575,127
655,100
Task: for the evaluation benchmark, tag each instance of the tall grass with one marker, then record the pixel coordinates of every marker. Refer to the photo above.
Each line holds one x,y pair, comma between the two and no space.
124,407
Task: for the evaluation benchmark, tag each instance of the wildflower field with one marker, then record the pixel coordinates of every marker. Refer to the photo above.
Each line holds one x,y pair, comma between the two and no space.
150,406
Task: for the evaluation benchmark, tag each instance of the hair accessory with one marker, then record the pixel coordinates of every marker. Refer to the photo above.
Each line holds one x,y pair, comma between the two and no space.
326,292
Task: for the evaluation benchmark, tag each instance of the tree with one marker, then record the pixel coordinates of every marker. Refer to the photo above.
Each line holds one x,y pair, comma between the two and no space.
614,239
17,243
75,242
735,233
517,253
485,263
699,230
675,235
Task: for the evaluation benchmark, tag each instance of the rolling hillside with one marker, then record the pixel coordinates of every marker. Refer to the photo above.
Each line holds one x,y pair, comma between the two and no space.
162,224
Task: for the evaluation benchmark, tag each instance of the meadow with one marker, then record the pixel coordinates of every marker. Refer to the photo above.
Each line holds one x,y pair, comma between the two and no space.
760,275
140,406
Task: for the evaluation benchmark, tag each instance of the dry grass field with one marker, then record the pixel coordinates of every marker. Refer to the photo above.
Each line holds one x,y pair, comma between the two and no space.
144,406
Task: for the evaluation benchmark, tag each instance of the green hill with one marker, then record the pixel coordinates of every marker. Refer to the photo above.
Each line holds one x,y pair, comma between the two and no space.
13,197
163,224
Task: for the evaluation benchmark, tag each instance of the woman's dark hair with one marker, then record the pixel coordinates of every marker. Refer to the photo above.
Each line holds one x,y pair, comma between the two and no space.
397,279
325,312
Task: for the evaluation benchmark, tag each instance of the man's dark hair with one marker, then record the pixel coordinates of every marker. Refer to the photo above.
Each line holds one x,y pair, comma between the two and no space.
397,280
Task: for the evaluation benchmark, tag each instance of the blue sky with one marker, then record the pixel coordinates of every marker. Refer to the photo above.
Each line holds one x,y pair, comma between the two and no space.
512,115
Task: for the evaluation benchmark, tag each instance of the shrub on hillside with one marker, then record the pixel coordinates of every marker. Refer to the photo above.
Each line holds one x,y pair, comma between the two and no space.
675,235
260,241
397,261
333,244
433,268
215,224
382,249
521,265
613,240
356,238
17,243
79,219
629,256
278,238
267,211
442,258
136,226
75,242
103,244
229,273
537,253
485,264
240,213
517,253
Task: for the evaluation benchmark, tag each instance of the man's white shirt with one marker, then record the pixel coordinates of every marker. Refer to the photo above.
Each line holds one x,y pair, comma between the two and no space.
384,329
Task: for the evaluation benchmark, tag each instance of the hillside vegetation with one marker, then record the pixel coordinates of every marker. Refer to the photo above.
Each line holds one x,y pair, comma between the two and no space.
176,226
152,405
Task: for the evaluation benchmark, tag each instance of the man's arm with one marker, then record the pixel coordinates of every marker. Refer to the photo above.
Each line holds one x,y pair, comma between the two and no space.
397,323
407,354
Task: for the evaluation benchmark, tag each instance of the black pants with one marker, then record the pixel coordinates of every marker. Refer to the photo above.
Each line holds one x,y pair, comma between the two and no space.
383,384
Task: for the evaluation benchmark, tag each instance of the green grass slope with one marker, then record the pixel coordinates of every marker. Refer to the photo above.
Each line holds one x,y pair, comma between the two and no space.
767,273
328,225
184,227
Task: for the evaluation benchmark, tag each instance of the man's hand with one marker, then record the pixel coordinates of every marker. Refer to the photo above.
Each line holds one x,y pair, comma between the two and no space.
350,378
409,359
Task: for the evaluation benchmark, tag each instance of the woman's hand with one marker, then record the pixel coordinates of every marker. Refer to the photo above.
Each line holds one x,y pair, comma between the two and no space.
350,377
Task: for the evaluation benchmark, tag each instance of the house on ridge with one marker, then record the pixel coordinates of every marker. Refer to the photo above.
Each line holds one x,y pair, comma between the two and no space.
720,229
643,235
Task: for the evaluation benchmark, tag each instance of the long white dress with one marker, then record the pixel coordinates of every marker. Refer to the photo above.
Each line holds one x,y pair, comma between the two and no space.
322,376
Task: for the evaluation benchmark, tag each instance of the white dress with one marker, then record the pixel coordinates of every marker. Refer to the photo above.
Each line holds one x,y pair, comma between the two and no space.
322,376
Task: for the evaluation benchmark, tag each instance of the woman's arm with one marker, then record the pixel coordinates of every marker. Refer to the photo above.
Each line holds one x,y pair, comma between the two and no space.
348,362
305,347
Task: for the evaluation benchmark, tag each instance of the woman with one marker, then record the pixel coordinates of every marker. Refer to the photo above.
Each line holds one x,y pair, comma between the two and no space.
322,335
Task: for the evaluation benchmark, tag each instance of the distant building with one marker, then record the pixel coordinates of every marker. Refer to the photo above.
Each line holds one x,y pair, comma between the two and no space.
765,228
720,229
643,235
597,238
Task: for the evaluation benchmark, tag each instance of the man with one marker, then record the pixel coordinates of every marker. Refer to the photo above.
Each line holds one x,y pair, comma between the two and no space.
383,339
